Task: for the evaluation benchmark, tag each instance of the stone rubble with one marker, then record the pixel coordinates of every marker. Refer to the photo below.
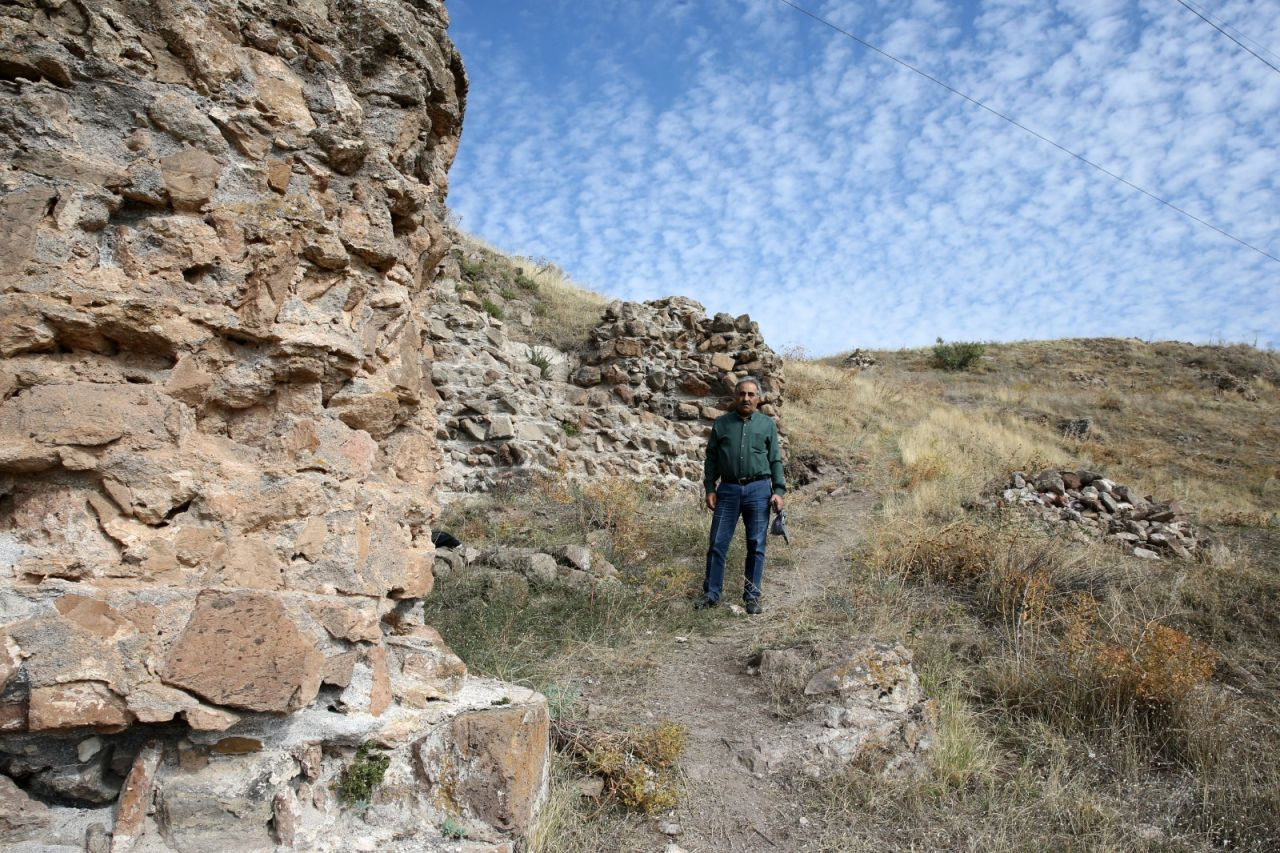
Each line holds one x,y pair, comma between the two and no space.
578,566
1091,506
859,359
635,404
864,708
218,464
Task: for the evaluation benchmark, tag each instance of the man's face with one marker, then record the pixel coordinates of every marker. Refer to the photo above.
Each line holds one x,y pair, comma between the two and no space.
746,398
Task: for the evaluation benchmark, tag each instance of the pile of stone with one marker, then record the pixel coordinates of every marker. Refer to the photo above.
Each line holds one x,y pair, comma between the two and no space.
859,360
637,405
217,453
1093,506
862,706
578,566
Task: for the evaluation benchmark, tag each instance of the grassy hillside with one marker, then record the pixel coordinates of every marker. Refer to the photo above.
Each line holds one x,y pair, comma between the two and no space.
1089,699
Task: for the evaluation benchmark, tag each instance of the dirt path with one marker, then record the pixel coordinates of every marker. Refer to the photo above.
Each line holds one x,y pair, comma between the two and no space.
703,684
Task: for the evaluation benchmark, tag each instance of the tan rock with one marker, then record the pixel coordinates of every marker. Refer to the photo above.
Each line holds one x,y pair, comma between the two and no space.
77,703
502,754
153,702
250,562
22,819
135,799
243,650
722,362
349,620
190,176
204,718
427,669
380,693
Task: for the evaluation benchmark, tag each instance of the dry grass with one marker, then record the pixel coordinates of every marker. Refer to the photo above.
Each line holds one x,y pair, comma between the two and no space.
561,313
1089,701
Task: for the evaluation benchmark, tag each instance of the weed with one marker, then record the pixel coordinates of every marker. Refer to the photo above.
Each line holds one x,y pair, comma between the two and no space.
541,359
491,308
570,428
453,828
637,766
507,293
524,282
958,355
472,269
360,778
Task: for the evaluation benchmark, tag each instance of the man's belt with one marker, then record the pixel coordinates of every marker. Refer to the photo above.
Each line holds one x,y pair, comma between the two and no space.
742,481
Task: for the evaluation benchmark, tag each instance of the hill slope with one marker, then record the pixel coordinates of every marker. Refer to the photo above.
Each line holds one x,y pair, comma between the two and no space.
1088,698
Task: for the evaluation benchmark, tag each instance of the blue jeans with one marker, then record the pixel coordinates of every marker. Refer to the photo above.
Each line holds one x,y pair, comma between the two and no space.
751,502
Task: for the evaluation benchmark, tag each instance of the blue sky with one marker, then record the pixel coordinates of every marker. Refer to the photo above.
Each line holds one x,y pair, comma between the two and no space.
740,153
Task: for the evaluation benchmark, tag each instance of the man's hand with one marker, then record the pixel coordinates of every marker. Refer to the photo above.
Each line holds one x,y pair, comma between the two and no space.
711,500
776,500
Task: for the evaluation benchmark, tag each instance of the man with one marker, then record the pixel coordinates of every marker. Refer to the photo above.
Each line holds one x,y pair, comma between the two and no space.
743,455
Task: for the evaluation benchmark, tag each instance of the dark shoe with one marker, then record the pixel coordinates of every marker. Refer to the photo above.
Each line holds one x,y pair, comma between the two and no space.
703,603
754,608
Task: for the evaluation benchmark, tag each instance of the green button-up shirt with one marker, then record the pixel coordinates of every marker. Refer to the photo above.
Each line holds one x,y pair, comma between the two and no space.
738,449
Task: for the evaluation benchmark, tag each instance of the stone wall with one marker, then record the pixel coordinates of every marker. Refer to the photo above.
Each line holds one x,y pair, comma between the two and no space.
636,402
220,222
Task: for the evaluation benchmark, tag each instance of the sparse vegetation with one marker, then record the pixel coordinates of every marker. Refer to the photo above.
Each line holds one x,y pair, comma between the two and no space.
1088,699
958,355
453,828
491,308
361,777
541,359
637,767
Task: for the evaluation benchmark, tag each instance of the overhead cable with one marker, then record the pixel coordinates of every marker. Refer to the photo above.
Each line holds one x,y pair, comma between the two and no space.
1214,24
1025,129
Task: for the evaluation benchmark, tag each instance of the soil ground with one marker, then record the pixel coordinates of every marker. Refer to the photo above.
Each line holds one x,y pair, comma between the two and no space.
703,685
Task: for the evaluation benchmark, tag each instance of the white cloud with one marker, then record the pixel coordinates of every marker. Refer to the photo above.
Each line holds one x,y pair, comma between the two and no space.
742,154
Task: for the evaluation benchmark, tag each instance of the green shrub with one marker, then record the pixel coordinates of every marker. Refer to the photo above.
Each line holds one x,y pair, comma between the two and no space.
491,308
571,428
525,283
471,270
361,777
453,828
508,293
958,355
541,359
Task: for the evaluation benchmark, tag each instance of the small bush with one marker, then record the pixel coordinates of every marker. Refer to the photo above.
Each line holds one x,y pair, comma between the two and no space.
541,359
1162,665
958,355
525,283
570,427
491,308
637,767
471,269
361,777
453,828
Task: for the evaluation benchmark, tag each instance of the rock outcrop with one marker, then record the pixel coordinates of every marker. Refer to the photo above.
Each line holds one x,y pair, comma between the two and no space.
859,705
635,403
221,222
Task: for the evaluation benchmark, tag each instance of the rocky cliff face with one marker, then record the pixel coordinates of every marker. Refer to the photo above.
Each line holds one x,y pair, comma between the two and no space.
219,222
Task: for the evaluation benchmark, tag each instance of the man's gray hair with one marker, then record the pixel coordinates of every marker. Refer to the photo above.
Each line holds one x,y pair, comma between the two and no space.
747,380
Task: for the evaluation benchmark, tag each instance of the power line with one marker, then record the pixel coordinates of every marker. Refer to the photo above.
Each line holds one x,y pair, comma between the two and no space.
1026,129
1214,24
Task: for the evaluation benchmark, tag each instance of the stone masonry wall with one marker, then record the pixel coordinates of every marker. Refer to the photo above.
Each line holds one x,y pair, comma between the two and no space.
635,403
219,223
